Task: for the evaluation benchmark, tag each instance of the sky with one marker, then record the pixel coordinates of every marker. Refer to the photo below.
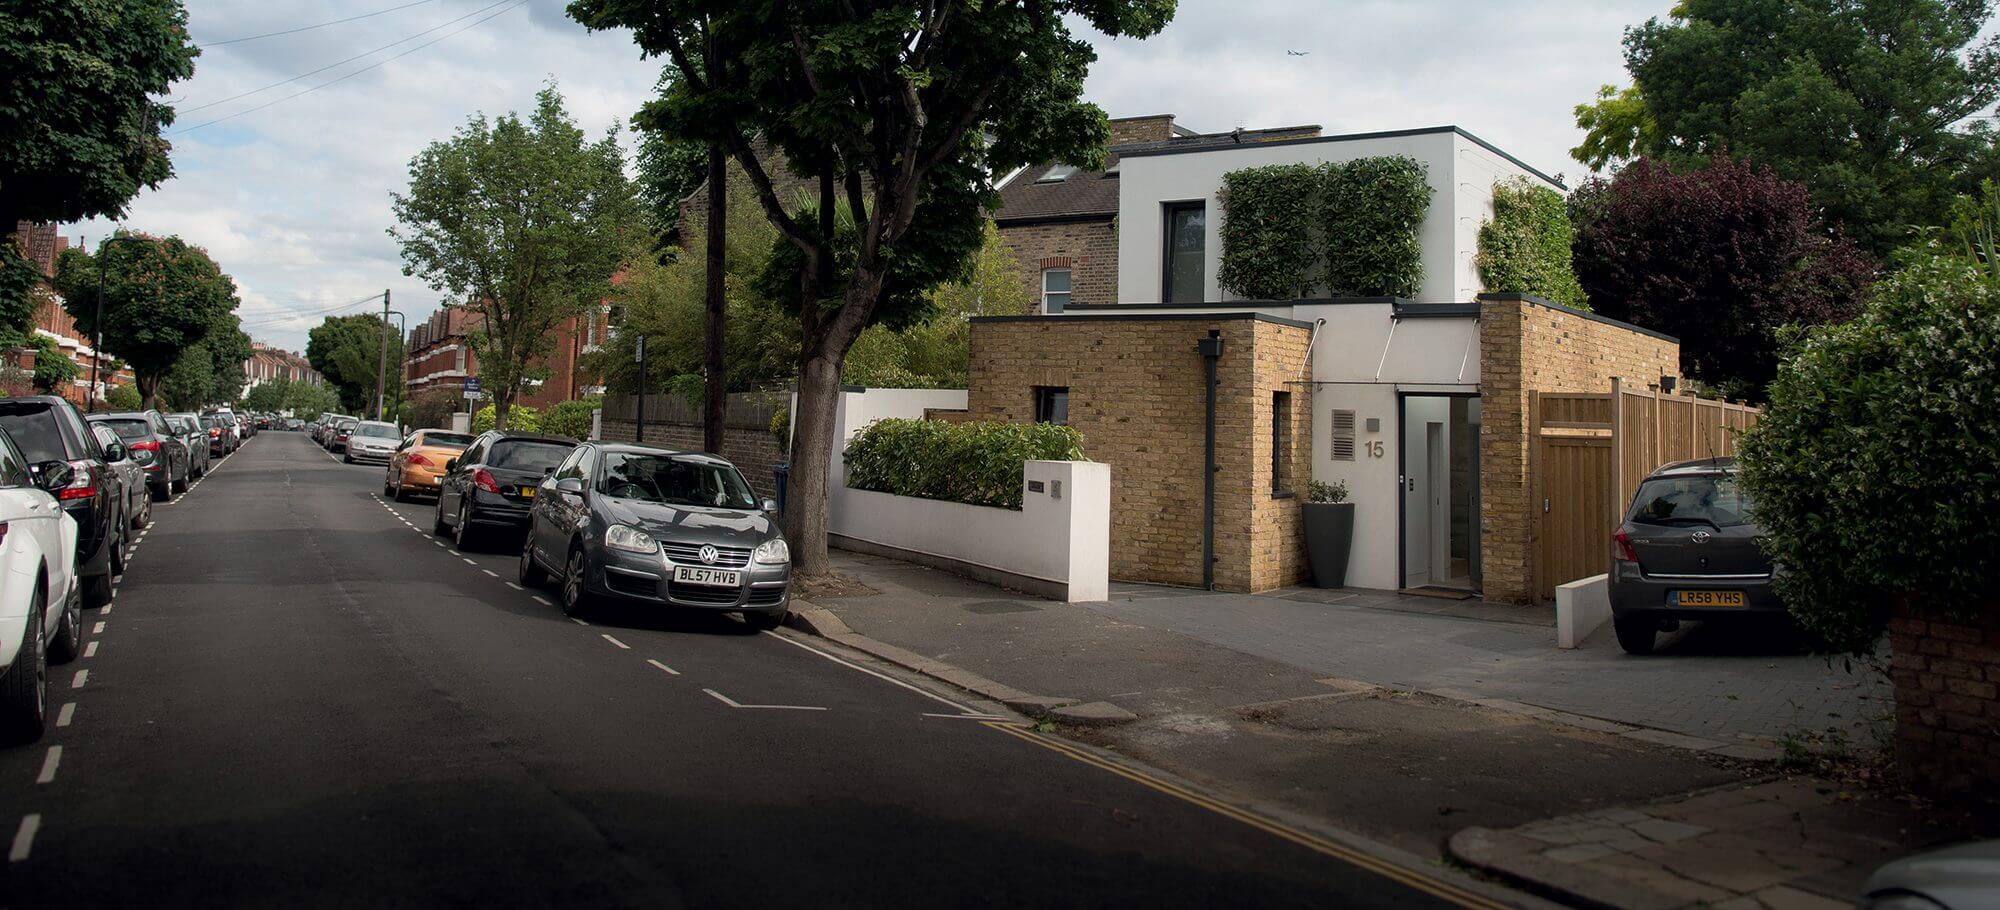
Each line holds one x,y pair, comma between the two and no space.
289,188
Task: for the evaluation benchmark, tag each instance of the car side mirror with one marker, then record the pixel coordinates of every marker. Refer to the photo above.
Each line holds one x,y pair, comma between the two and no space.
114,453
570,486
54,475
451,464
770,505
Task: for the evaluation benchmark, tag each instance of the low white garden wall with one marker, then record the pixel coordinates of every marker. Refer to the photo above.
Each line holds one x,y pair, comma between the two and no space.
1582,606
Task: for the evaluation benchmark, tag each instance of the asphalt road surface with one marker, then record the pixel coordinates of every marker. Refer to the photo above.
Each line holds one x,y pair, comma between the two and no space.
299,697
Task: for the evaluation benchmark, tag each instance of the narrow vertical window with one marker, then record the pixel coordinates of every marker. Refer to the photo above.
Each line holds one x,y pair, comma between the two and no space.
1186,245
1281,443
1055,290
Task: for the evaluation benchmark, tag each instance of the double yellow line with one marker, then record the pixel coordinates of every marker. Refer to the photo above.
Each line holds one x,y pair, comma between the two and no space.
1443,890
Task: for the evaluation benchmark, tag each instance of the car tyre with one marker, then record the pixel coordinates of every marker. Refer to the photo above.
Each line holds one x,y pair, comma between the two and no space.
24,690
145,517
462,533
438,527
575,598
532,575
1636,634
765,622
69,635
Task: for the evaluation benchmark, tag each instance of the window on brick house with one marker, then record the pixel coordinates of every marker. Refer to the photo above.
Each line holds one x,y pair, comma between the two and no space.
1281,443
1052,404
1055,290
1186,245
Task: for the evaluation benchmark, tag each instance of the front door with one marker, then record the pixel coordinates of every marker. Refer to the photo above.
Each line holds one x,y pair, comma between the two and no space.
1440,463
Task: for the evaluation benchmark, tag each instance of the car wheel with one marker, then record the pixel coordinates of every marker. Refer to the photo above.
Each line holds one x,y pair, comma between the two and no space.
575,597
532,574
1635,633
438,527
764,622
69,635
145,516
24,690
462,532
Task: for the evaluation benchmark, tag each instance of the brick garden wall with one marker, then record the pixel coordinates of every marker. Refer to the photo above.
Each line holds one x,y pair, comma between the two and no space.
1529,344
1947,678
1089,249
1136,395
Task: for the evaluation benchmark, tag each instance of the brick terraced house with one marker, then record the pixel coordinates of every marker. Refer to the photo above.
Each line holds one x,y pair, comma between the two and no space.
42,244
438,354
1419,406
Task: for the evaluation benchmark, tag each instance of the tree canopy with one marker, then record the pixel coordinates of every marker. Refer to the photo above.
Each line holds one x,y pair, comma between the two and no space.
526,222
1721,256
1869,103
162,297
79,126
209,372
346,351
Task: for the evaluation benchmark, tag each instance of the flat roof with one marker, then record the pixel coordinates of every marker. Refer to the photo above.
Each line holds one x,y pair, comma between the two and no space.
1152,317
1350,137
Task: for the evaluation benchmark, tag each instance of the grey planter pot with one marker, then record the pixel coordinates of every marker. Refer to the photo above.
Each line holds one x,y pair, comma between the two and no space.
1329,539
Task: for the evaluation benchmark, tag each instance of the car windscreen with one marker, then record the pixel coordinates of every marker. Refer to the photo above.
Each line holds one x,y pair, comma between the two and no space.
377,430
128,429
526,455
1717,500
447,440
33,427
674,481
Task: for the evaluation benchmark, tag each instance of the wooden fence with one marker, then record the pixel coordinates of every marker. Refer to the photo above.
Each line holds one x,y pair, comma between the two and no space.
1589,451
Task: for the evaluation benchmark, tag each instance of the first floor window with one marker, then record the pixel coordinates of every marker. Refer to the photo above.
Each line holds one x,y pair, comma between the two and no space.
1055,290
1052,404
1186,244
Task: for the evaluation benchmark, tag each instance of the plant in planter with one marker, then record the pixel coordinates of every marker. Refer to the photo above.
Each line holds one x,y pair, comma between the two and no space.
1329,520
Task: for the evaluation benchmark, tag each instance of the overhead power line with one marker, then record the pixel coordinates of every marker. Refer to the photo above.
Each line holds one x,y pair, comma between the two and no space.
308,91
307,28
199,107
274,319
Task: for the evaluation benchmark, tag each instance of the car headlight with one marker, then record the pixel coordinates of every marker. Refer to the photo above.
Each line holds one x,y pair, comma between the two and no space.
631,540
773,552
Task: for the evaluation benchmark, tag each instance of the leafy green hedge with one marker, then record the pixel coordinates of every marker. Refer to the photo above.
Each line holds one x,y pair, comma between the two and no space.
570,418
520,418
1526,247
1349,227
1876,465
974,462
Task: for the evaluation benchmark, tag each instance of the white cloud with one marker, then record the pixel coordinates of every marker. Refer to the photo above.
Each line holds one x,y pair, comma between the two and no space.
293,200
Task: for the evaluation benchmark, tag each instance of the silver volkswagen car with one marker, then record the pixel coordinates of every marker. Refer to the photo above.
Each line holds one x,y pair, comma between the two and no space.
651,525
372,440
1687,550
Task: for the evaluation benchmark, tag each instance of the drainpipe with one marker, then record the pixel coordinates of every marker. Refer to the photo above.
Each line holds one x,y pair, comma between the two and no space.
1210,349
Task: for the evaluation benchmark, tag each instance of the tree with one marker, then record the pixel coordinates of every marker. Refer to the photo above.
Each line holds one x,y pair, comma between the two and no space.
1526,248
53,368
669,170
1719,256
937,352
431,407
1868,103
346,350
160,299
524,221
211,371
123,398
907,110
79,129
268,396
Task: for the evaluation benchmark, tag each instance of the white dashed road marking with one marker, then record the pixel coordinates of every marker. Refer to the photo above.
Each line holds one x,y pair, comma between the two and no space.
67,714
49,764
885,678
469,562
735,704
82,676
617,642
578,621
543,601
670,671
515,586
24,837
97,629
488,571
90,650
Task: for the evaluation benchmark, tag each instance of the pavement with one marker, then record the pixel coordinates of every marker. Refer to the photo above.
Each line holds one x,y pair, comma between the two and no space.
298,697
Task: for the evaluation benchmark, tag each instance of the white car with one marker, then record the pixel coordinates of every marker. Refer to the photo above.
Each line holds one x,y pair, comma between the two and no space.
41,604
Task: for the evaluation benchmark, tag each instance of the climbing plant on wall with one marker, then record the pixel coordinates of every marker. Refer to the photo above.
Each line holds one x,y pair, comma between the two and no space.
1267,236
1526,247
1369,212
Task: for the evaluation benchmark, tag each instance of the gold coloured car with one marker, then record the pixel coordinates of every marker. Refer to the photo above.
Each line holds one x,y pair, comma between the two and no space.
419,461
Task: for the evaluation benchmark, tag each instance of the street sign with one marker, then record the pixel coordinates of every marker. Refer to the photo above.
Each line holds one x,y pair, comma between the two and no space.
471,386
474,394
640,356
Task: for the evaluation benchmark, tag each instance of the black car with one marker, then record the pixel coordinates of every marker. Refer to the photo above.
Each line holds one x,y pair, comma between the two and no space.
1688,550
47,428
679,529
490,485
154,446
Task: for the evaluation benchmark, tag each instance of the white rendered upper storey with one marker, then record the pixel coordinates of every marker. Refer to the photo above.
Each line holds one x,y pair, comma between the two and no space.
1462,170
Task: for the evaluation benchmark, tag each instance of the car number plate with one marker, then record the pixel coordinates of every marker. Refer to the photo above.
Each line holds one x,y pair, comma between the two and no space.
697,575
1708,598
527,492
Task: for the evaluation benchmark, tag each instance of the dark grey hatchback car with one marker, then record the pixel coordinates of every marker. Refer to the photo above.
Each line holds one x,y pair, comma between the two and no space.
1687,549
679,529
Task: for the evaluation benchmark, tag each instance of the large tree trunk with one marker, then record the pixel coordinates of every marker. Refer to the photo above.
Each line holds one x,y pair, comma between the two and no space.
812,456
502,403
714,366
149,390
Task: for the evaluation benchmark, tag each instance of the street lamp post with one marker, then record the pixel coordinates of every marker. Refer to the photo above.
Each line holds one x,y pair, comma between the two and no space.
97,327
403,332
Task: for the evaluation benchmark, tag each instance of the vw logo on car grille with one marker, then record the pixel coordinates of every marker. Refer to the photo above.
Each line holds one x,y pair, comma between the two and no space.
707,554
1697,537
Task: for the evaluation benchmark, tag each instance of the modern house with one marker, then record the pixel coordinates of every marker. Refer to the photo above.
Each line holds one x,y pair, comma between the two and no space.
1418,405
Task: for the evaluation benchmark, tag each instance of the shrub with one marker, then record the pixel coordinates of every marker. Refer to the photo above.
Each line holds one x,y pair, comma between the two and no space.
1369,212
1267,237
1526,247
1876,465
570,418
974,462
53,368
123,397
519,417
1321,491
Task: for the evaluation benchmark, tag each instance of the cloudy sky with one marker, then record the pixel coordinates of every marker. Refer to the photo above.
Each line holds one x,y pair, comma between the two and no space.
289,187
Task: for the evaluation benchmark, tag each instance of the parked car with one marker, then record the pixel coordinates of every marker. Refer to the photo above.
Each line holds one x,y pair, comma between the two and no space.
1688,549
490,485
48,430
151,444
41,616
1964,877
294,424
221,435
337,435
137,495
372,440
418,463
193,435
652,525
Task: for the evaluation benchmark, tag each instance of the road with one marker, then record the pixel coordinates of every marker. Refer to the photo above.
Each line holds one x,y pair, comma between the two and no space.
299,697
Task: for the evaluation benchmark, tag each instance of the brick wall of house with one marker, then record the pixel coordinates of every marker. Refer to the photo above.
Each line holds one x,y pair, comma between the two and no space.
1150,128
1136,396
1528,344
1089,249
1947,678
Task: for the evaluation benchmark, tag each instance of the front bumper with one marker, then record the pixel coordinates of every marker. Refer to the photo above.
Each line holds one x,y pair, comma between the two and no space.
378,455
1634,593
648,578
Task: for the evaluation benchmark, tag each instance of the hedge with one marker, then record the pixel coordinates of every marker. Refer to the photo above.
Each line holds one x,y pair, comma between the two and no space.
520,418
569,418
1525,249
975,462
1267,248
1349,227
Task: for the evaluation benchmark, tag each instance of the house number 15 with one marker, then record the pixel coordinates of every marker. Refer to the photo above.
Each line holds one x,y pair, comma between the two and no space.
1374,448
